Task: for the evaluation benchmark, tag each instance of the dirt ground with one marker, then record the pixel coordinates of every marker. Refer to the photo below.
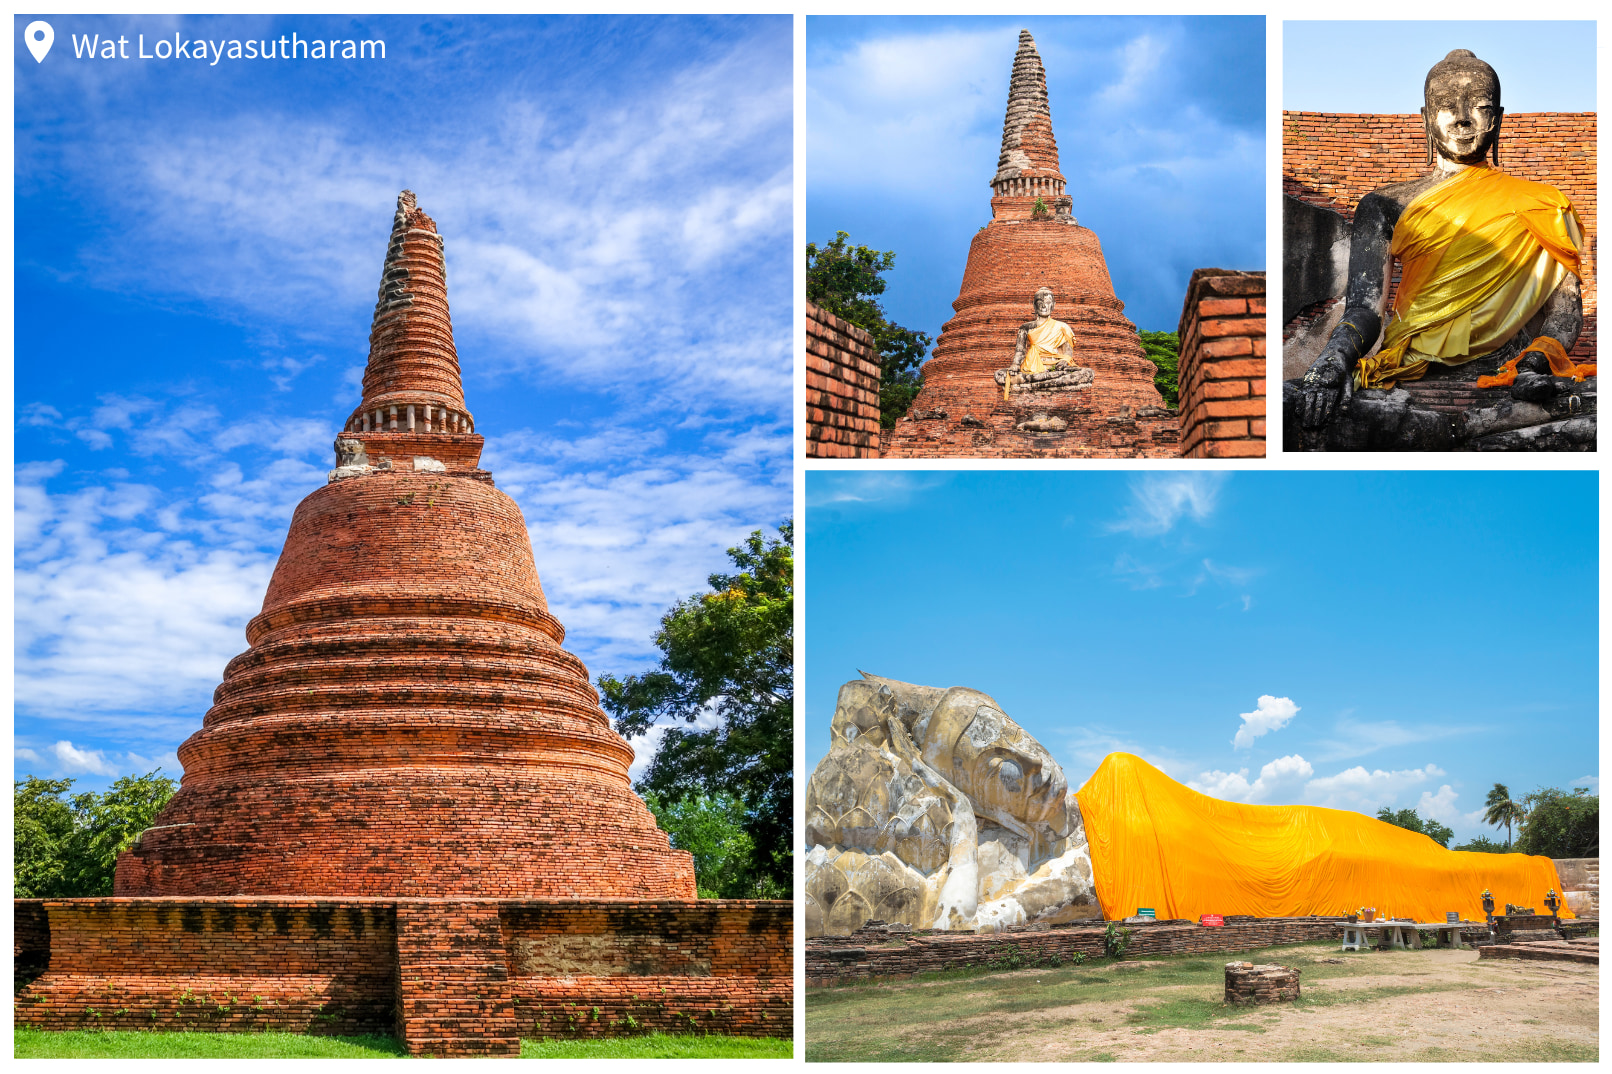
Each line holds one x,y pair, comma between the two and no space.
1429,1005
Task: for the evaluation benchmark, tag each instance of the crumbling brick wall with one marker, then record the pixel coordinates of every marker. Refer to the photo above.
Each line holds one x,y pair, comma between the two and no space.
449,976
1335,159
842,388
1221,373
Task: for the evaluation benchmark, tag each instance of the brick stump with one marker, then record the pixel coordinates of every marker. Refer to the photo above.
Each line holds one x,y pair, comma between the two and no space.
1248,983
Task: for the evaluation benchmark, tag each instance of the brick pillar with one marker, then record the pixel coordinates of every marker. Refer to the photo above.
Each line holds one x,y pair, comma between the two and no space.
453,993
1222,367
842,389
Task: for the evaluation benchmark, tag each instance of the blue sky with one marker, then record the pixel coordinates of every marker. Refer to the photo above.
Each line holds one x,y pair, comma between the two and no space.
1415,636
198,249
1543,66
1160,127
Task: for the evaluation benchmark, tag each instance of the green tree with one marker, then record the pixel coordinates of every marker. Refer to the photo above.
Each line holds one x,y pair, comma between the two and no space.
1408,819
711,828
1483,845
727,653
1561,825
844,279
1500,809
69,847
1164,350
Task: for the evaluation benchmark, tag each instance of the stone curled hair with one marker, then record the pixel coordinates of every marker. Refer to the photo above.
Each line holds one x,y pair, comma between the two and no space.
1457,61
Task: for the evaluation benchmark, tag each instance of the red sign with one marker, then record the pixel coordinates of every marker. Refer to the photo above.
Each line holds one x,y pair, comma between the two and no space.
1211,920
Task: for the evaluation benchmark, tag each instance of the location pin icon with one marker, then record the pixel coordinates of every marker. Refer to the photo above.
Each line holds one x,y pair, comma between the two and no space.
39,37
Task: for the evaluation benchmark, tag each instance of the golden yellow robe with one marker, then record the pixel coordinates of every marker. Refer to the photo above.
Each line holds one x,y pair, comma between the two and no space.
1479,255
1042,345
1157,843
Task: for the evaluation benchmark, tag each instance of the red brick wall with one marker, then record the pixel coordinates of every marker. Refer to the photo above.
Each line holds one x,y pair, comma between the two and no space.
842,389
1335,159
450,976
1222,366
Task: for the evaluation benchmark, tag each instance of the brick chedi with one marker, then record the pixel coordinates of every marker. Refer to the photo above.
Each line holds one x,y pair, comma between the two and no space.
1034,241
405,723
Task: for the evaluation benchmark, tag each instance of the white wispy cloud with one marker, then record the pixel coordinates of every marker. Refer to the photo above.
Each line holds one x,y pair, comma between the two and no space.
1270,714
1160,501
1358,738
1357,788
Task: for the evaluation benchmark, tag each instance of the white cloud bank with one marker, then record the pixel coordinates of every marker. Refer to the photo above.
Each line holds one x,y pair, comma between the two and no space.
1160,501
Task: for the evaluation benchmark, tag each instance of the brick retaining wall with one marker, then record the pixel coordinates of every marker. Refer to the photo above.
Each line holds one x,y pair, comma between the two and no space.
449,976
842,388
865,956
1335,159
1221,373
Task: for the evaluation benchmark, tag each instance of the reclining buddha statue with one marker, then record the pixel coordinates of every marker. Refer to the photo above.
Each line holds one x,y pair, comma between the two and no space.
934,810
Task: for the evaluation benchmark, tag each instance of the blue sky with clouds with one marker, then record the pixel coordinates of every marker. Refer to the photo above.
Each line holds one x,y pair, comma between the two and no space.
1160,127
198,249
1387,62
1343,639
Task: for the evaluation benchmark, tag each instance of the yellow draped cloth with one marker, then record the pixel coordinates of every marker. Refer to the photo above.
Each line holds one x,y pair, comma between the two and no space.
1479,254
1157,843
1043,343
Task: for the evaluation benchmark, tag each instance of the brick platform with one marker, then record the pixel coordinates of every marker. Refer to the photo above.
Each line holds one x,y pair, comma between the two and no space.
1222,365
842,388
449,976
877,955
1247,983
1335,159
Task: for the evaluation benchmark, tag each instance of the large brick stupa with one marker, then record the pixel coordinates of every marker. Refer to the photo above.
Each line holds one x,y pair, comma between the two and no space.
405,723
1033,241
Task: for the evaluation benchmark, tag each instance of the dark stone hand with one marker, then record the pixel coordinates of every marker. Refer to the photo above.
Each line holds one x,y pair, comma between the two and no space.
1323,387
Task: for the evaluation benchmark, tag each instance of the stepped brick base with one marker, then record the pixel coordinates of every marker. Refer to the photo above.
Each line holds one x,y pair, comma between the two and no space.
1585,951
954,424
448,976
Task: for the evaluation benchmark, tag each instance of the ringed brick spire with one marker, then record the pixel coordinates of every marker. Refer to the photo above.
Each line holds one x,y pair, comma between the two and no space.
405,722
1034,241
1029,161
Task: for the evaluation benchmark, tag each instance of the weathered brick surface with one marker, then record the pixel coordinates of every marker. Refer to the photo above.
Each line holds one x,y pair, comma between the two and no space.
1222,333
842,388
1121,415
1335,159
1247,983
449,976
834,959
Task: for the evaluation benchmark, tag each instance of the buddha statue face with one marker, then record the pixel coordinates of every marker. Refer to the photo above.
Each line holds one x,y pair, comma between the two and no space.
1005,772
1461,112
1043,302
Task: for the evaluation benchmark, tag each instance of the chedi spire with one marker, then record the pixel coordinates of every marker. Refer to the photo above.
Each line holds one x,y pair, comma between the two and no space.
405,722
1028,165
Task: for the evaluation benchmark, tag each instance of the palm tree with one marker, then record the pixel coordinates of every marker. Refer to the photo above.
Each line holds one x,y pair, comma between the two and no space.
1502,810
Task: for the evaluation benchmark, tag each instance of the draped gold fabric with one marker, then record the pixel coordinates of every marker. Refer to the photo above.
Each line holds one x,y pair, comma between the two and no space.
1043,345
1157,843
1479,254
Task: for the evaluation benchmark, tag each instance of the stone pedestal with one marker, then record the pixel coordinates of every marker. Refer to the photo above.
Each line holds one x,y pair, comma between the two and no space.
1247,983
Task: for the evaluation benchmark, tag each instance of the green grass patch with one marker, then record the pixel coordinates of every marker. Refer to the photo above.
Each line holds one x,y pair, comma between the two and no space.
138,1044
661,1046
1189,1013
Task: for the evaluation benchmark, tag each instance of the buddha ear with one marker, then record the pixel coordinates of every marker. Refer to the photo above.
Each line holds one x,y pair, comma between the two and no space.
1494,146
1427,137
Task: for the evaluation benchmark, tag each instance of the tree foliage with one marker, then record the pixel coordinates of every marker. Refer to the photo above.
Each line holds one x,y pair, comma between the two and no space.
1164,350
1500,809
711,828
1483,845
844,279
729,654
68,847
1561,825
1407,818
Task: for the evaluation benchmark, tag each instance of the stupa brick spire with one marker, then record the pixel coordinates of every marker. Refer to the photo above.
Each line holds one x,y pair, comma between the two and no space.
405,722
1034,241
1028,165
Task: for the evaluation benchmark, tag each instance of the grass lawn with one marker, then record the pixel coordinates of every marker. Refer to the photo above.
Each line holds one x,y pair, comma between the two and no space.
1375,1006
132,1044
